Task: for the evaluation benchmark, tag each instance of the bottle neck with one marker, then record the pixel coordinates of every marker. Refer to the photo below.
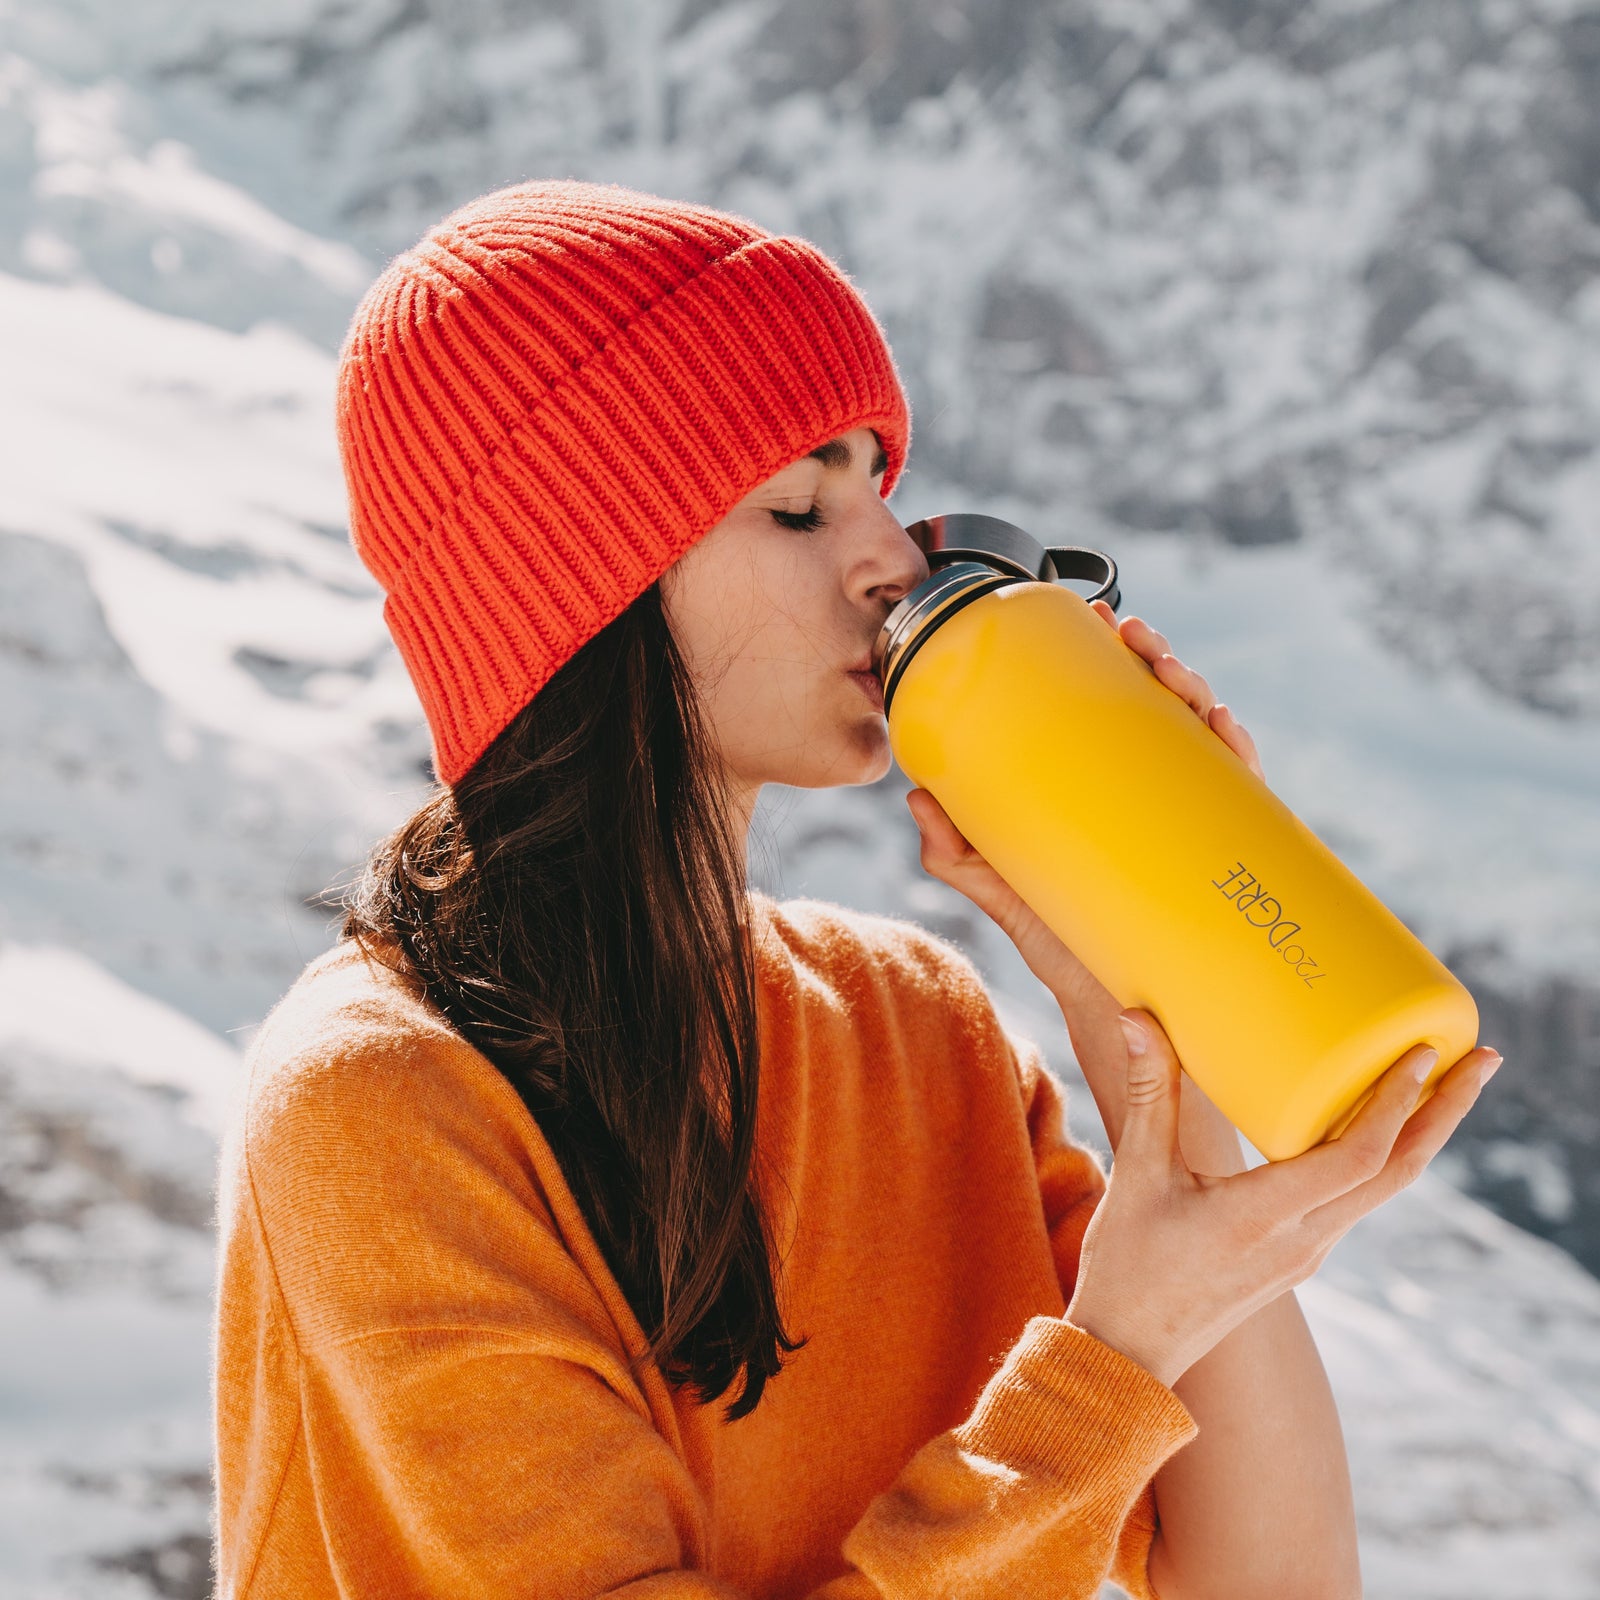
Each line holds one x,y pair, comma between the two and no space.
915,618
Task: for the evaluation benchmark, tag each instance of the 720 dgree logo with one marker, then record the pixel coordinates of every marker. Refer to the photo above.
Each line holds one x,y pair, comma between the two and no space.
1261,910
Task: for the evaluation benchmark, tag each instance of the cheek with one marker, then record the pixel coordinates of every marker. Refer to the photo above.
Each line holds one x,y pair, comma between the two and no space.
752,619
780,714
710,599
774,673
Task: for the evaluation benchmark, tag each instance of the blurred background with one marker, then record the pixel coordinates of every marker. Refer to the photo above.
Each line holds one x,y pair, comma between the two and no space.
1294,308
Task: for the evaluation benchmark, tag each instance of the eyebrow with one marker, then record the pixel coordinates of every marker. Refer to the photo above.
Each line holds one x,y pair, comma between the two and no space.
836,454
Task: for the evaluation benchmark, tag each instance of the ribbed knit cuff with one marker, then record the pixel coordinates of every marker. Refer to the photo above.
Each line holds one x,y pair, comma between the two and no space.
1064,1404
1030,1497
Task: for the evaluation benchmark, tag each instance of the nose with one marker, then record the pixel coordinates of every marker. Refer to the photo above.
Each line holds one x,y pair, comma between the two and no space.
899,563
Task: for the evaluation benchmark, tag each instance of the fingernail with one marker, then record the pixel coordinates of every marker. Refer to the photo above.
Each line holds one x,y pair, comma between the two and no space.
1138,1039
1424,1064
1489,1068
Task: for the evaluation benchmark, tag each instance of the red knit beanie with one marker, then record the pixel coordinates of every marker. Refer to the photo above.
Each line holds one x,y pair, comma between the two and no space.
559,390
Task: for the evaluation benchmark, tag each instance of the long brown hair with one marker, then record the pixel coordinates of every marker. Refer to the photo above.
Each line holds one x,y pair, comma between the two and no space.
575,907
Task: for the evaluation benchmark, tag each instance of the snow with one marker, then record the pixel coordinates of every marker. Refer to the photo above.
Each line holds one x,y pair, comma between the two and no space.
202,722
104,1439
1472,1415
192,470
110,1104
59,1003
205,714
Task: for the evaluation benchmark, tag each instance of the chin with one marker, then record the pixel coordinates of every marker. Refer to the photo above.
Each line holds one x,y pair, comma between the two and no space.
863,756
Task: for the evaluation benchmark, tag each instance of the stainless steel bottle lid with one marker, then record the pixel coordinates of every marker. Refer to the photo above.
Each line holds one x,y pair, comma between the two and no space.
971,555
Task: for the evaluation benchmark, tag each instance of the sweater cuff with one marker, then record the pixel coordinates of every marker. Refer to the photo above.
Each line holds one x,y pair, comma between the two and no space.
1065,1405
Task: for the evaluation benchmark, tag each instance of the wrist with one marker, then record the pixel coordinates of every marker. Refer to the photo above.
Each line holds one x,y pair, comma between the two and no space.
1133,1343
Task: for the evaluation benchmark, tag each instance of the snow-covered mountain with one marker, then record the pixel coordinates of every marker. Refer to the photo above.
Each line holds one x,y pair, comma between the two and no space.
1293,309
1321,271
200,708
1230,275
110,1106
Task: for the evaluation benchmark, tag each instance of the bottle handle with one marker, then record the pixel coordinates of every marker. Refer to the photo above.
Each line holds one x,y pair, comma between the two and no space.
1092,566
971,536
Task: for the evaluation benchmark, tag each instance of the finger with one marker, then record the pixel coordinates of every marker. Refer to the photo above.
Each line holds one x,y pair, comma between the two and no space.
1149,1139
1236,736
1107,615
1424,1134
1185,682
943,843
1143,639
1335,1167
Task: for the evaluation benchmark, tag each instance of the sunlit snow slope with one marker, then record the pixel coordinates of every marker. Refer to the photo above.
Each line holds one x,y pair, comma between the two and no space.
202,722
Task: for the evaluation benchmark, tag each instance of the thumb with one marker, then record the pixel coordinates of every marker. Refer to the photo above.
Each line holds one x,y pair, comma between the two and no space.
1150,1128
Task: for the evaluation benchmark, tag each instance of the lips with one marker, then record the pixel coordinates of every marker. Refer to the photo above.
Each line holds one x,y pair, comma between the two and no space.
866,680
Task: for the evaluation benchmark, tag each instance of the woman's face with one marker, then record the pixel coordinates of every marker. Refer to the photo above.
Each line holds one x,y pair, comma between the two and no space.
775,610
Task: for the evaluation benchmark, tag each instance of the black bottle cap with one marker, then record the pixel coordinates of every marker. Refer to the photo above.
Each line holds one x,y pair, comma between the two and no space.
970,536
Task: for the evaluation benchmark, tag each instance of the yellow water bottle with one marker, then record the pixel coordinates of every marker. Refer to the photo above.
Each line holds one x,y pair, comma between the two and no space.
1168,868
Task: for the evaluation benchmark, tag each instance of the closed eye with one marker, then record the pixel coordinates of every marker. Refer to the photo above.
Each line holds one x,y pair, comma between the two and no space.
805,521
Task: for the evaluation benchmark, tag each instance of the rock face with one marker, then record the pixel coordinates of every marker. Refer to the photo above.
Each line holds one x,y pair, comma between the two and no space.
1529,1147
1296,309
1262,272
109,1109
192,661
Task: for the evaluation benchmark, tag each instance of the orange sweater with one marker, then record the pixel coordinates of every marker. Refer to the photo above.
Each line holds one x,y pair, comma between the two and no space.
420,1359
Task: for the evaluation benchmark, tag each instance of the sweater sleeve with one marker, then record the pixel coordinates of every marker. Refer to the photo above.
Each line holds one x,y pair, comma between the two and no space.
472,1427
1071,1184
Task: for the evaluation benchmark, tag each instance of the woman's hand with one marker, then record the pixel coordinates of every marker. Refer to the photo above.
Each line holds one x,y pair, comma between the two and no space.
1184,682
1174,1260
946,855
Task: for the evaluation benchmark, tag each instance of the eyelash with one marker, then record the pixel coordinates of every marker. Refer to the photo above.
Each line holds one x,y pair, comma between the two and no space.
803,521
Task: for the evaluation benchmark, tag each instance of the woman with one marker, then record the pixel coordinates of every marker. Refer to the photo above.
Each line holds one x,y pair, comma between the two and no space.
596,1225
